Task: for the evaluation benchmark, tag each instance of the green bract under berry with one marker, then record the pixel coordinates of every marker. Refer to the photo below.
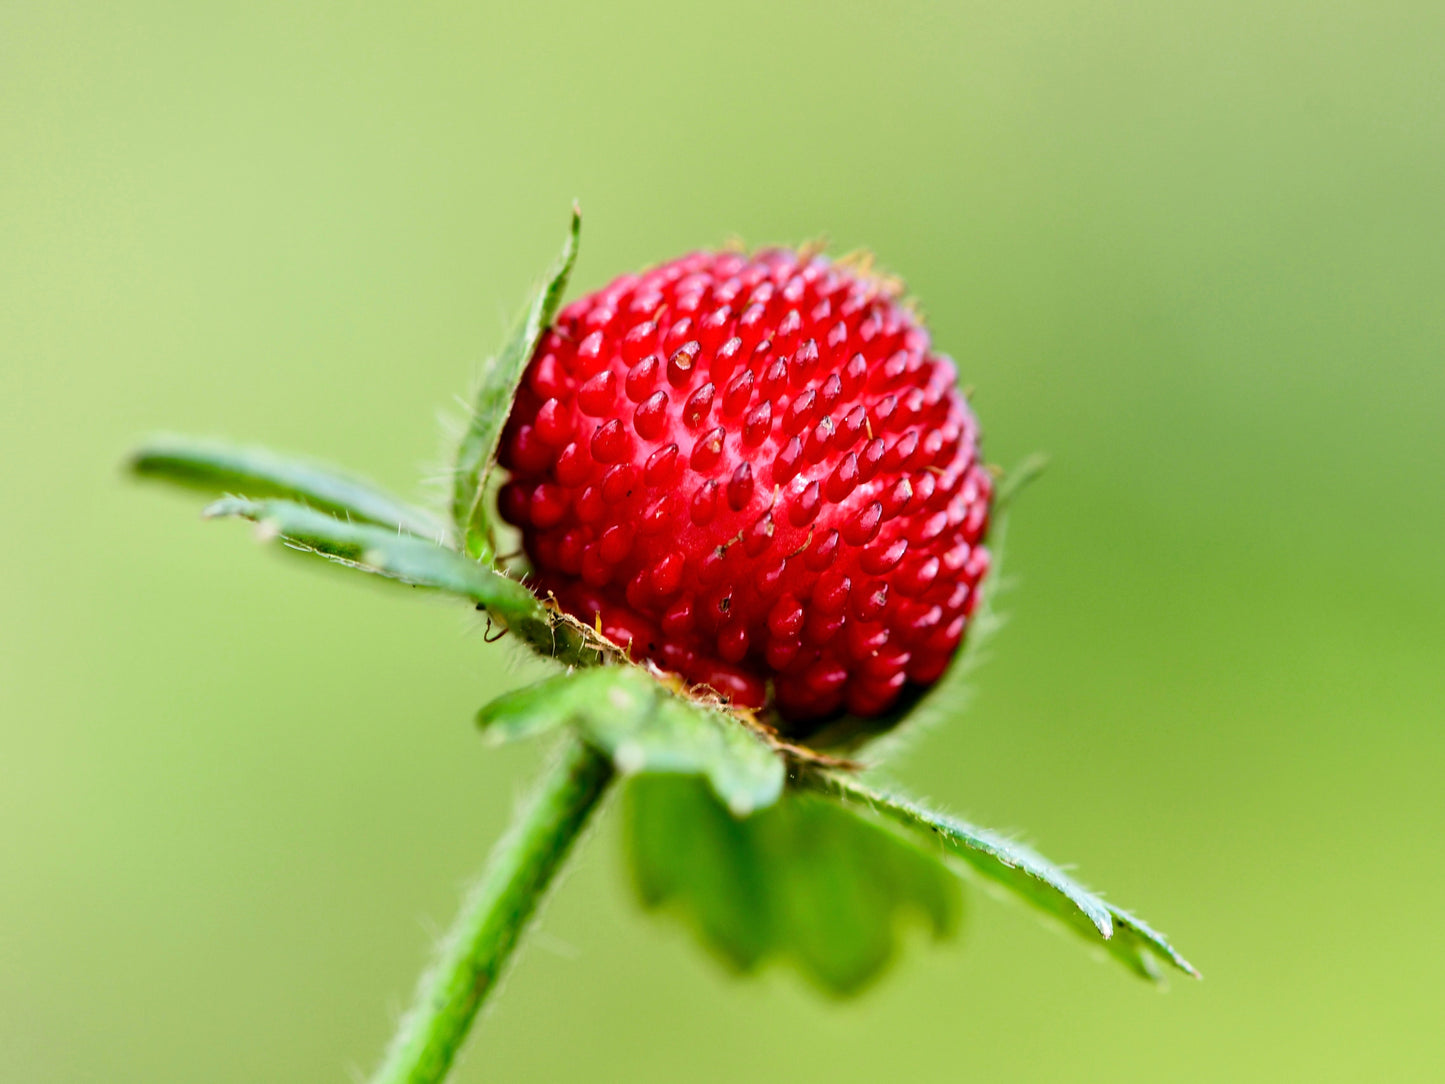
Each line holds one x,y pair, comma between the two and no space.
754,472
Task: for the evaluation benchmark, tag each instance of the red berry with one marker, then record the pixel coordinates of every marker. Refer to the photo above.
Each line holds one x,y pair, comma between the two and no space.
755,472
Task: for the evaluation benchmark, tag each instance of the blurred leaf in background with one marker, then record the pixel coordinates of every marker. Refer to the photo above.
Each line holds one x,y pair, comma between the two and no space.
806,880
1191,250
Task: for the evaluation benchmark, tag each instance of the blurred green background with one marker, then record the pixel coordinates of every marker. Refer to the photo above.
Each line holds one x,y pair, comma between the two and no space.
1195,251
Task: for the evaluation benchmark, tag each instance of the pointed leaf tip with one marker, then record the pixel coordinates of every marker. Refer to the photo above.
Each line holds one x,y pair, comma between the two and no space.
493,399
1024,872
218,467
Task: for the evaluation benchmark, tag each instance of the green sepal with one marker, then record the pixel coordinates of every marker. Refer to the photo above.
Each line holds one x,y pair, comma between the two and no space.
492,403
807,881
218,467
646,728
1023,872
417,562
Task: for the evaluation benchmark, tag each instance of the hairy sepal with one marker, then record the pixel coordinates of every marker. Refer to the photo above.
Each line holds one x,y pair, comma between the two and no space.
646,728
492,402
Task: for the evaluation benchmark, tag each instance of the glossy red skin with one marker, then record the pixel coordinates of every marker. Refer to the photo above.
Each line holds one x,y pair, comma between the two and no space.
759,475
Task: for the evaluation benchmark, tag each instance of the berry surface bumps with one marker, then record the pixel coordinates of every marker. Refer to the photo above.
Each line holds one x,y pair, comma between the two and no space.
754,471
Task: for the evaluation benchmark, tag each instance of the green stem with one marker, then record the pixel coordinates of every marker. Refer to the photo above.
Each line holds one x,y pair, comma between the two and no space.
493,917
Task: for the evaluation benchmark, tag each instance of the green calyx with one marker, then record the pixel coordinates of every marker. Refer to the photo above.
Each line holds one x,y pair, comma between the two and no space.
768,851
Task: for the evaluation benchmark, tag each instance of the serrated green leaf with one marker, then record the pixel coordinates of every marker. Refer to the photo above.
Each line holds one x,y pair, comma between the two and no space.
218,467
1024,872
493,402
645,728
414,561
806,881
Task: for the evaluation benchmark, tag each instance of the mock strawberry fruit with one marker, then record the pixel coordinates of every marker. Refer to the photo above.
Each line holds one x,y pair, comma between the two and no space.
754,471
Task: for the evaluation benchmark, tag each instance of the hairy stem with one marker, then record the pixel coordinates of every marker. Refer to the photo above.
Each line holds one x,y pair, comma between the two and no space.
496,912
